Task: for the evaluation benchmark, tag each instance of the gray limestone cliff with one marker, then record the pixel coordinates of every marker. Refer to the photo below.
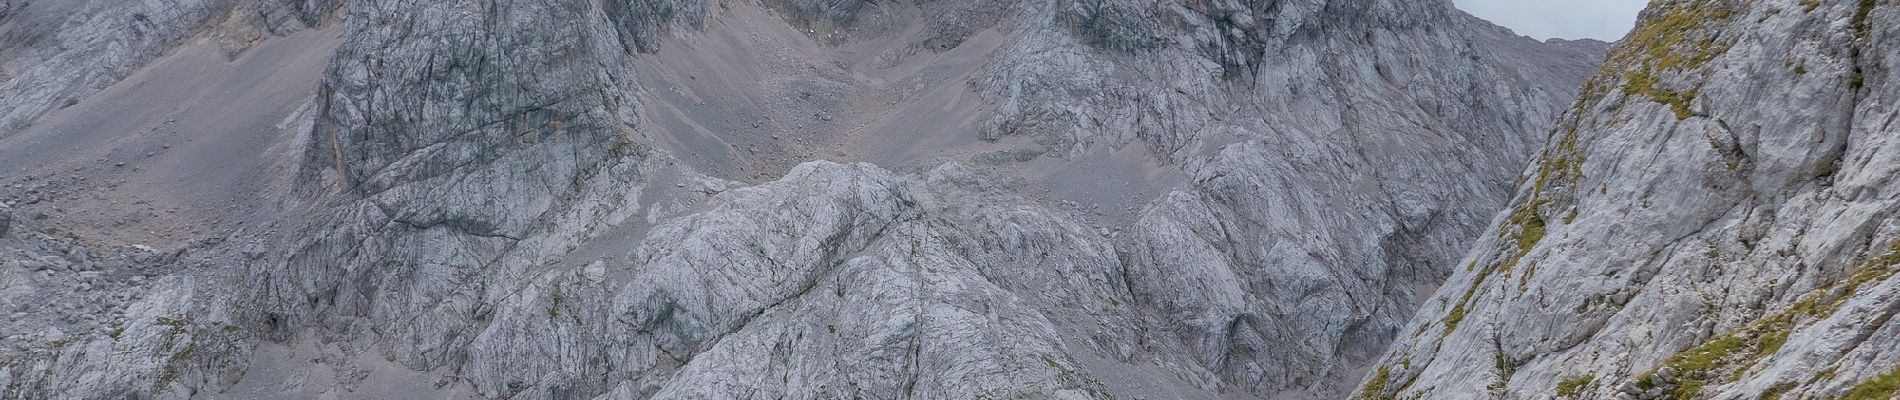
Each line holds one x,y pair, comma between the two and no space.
734,199
1713,219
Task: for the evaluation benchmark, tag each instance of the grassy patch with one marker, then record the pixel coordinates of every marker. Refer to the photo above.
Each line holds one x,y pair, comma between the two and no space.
1506,367
175,363
1862,28
1530,227
183,355
1563,164
1375,387
1458,312
1642,83
1574,386
1727,357
177,325
1677,37
1881,387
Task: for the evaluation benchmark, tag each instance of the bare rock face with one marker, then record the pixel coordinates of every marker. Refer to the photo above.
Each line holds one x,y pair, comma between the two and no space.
1278,109
59,52
6,219
1714,219
506,199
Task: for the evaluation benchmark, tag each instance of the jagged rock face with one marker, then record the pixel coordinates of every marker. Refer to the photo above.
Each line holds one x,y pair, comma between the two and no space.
1714,219
1279,110
58,52
942,24
484,195
416,85
458,178
849,280
1171,75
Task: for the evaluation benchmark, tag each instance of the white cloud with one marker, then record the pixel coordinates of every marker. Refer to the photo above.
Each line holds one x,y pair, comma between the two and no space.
1606,20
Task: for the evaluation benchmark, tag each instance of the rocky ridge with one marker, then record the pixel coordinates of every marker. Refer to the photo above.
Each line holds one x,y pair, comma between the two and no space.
1714,219
59,52
489,193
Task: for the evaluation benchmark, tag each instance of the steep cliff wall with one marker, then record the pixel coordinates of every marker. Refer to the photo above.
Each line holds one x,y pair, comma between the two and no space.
573,199
1714,219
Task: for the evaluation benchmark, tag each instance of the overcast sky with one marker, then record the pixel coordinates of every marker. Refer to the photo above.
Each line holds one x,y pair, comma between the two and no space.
1605,20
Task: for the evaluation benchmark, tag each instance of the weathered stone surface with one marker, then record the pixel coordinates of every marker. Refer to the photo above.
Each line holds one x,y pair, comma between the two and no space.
1286,115
59,52
1714,219
483,200
6,219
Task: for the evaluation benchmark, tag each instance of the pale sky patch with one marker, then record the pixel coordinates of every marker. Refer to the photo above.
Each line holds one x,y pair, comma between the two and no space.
1606,20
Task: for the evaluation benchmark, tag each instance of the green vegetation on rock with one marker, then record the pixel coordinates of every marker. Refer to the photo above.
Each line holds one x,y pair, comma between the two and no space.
1882,387
1727,357
1862,28
1574,386
1458,311
1375,387
1677,37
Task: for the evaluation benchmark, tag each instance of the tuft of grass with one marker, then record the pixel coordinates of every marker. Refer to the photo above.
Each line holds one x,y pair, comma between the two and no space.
1526,227
173,365
1375,387
1774,393
1563,164
1882,387
1862,28
1678,36
183,355
1531,227
1574,386
1505,366
1645,84
1458,312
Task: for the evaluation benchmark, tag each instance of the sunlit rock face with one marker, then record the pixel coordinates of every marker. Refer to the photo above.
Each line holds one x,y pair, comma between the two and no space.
730,199
1713,219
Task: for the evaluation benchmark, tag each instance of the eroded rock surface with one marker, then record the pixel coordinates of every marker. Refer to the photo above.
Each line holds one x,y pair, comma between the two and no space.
59,52
1714,219
566,199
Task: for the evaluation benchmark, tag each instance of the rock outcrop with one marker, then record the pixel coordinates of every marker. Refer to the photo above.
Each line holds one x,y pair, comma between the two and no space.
59,52
1714,219
512,199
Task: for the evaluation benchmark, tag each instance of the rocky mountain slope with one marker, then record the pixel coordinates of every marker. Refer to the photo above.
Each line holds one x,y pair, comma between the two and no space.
629,199
1714,219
